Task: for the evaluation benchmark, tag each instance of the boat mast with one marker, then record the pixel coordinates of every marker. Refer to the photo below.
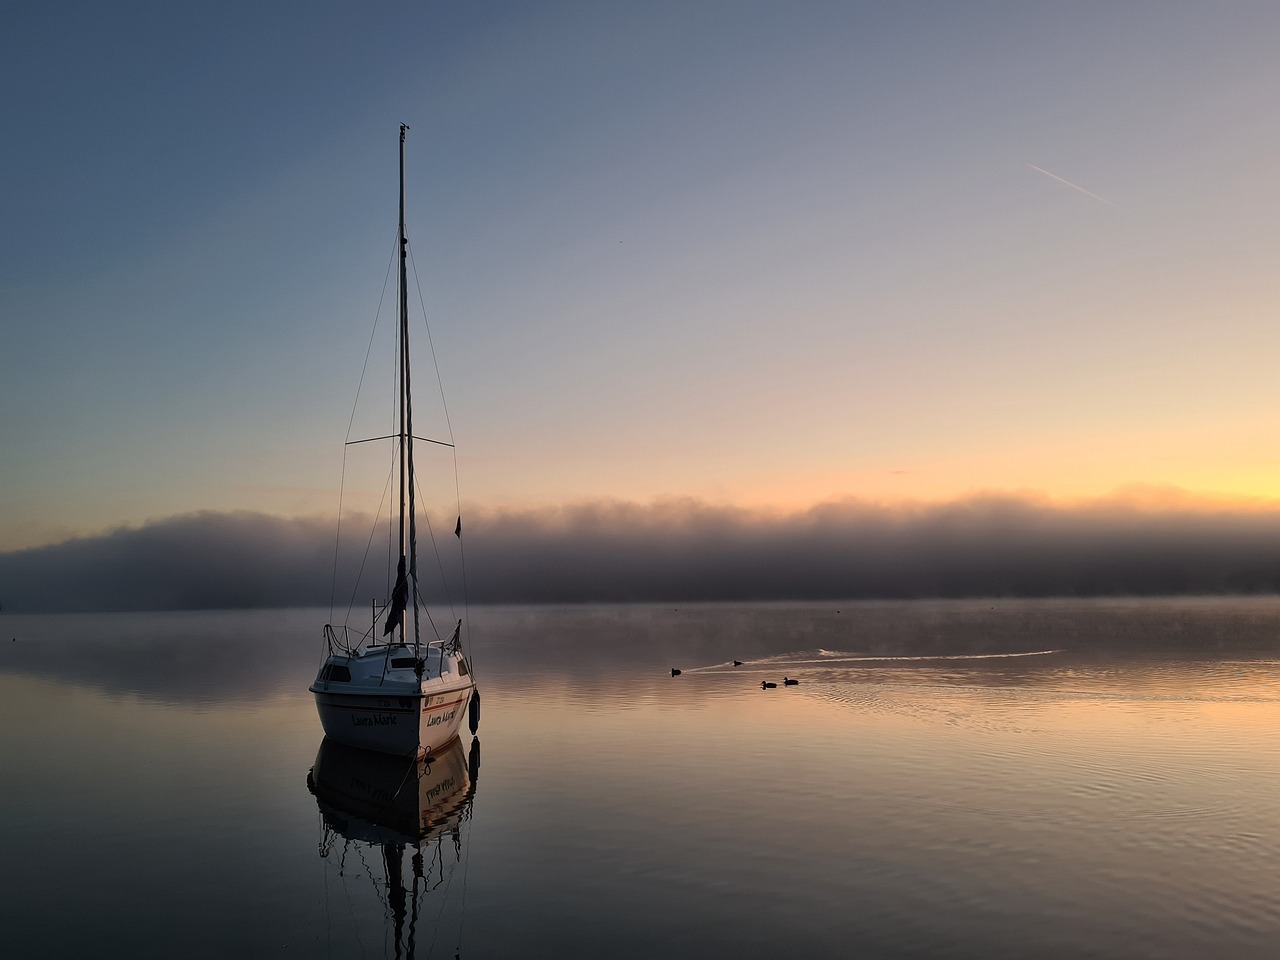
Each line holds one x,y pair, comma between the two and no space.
404,370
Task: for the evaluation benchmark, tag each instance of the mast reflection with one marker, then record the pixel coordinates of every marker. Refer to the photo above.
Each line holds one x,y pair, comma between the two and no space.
397,805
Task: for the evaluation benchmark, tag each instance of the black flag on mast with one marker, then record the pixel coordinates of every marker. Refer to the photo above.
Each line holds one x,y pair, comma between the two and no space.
457,531
399,596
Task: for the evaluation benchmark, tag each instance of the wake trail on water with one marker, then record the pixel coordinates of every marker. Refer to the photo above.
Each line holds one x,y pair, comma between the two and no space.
833,657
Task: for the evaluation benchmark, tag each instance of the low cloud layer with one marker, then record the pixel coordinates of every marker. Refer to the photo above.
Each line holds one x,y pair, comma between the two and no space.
684,551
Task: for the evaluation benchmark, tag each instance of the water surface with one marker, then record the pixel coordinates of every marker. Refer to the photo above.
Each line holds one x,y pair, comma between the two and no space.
949,779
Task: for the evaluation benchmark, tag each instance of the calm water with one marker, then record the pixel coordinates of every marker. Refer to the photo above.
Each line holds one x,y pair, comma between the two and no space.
949,779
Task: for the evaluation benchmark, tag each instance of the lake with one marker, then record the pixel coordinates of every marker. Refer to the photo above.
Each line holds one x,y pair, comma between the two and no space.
1058,778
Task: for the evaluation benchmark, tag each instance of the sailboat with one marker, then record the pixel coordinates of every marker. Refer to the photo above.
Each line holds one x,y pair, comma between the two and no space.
396,692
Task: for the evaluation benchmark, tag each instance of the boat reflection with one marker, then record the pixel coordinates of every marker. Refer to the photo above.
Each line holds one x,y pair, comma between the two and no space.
398,806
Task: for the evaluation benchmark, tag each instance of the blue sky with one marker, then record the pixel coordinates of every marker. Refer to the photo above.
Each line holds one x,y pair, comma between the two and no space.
762,255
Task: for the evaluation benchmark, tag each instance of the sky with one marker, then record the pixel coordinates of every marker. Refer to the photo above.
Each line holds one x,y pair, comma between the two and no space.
754,257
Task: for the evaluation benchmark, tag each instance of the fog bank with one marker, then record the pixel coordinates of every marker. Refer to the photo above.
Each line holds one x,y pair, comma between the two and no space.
680,550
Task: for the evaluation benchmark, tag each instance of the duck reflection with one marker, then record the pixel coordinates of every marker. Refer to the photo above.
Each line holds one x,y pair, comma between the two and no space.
397,805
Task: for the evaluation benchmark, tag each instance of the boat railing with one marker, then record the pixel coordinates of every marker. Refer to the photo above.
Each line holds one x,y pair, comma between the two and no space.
446,645
338,640
336,643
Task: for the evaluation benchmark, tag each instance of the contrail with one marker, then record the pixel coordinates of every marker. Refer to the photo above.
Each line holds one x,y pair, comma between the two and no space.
1073,186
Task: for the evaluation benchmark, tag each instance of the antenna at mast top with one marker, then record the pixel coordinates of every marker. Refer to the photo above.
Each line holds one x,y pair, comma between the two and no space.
403,128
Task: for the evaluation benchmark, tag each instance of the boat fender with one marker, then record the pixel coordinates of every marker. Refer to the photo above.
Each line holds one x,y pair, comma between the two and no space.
473,711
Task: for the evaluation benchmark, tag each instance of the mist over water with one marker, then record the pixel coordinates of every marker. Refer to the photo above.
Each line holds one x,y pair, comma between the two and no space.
950,778
671,551
214,656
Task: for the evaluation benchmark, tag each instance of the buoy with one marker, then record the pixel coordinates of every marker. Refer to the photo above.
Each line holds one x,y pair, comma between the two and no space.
766,685
737,663
473,710
788,682
675,672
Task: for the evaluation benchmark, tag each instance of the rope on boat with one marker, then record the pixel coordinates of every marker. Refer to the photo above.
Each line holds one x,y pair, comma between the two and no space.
434,362
457,486
342,483
364,560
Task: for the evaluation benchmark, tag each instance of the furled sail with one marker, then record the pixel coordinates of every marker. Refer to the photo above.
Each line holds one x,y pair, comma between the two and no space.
399,596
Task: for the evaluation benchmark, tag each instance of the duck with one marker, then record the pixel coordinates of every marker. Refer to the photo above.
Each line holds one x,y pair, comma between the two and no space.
675,672
766,685
737,663
788,682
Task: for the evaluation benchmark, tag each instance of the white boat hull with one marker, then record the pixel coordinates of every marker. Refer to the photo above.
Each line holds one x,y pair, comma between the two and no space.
406,725
387,699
